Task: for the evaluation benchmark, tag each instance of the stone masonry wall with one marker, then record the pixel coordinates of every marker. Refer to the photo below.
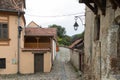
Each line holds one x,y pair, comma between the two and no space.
74,59
99,55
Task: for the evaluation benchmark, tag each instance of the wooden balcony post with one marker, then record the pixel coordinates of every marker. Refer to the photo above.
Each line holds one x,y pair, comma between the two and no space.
37,38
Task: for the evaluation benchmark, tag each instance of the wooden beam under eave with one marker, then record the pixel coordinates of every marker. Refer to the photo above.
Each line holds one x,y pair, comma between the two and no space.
117,2
92,8
103,7
100,6
114,6
81,1
98,3
84,1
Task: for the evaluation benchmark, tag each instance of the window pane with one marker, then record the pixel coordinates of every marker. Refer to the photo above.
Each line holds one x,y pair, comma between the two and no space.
5,34
4,25
3,31
2,63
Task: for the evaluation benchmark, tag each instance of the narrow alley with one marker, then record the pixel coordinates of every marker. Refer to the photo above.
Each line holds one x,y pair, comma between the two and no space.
62,70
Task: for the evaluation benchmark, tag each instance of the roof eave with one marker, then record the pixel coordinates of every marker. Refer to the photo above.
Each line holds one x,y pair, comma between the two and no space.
14,11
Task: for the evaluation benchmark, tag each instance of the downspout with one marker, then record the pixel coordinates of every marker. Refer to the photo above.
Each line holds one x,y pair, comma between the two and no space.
18,56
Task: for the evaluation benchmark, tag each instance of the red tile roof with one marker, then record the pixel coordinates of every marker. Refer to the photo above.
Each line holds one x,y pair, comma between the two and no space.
11,5
41,32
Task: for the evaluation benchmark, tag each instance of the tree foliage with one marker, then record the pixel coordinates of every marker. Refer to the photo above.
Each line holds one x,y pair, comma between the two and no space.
63,39
60,30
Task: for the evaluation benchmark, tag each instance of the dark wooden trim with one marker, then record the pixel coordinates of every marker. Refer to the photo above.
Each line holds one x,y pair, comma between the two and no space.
103,7
83,1
101,4
94,9
97,3
37,56
114,6
117,2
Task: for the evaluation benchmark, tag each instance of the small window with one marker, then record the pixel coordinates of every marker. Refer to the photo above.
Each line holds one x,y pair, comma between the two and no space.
97,28
3,31
2,63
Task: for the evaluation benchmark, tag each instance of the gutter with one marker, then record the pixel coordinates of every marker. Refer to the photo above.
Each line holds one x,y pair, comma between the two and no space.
15,11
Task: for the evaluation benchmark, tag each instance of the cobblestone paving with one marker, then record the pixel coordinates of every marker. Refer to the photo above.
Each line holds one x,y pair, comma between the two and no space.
61,71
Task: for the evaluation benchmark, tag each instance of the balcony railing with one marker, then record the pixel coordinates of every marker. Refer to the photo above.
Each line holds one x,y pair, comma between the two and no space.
37,45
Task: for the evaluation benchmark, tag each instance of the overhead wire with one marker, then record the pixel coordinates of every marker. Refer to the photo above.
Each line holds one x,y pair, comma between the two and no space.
80,14
64,15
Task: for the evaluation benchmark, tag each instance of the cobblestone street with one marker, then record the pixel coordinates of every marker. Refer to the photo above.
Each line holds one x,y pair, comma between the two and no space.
62,70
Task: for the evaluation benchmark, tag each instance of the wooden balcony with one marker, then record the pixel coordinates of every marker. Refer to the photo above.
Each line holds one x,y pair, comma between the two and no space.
37,45
41,42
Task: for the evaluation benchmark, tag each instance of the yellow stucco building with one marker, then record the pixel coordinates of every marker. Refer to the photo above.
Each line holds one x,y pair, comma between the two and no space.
23,52
10,16
39,49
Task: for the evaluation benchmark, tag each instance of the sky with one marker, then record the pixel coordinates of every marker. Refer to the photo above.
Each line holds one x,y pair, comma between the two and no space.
59,12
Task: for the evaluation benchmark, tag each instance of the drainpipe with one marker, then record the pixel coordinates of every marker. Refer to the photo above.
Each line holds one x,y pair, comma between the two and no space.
18,56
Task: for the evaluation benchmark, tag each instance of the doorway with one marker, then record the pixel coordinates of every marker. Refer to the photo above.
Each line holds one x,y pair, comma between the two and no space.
38,63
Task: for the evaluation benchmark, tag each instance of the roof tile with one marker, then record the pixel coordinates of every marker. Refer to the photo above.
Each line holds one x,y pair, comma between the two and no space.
40,32
13,5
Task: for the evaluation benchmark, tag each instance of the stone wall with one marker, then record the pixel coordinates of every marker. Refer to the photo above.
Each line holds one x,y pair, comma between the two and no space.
101,55
74,59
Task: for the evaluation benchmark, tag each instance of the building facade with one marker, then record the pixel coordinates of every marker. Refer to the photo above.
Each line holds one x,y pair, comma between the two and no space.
77,54
38,52
11,18
102,40
24,50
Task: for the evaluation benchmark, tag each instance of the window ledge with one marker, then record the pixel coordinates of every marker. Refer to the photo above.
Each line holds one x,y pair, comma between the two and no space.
4,42
1,40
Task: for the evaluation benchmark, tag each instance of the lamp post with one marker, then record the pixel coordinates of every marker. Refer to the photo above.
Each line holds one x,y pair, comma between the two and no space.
76,24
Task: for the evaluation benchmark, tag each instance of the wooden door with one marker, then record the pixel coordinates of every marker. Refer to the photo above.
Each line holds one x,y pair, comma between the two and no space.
38,63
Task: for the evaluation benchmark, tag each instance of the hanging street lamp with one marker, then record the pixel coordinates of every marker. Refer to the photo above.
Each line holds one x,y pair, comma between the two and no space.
76,25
